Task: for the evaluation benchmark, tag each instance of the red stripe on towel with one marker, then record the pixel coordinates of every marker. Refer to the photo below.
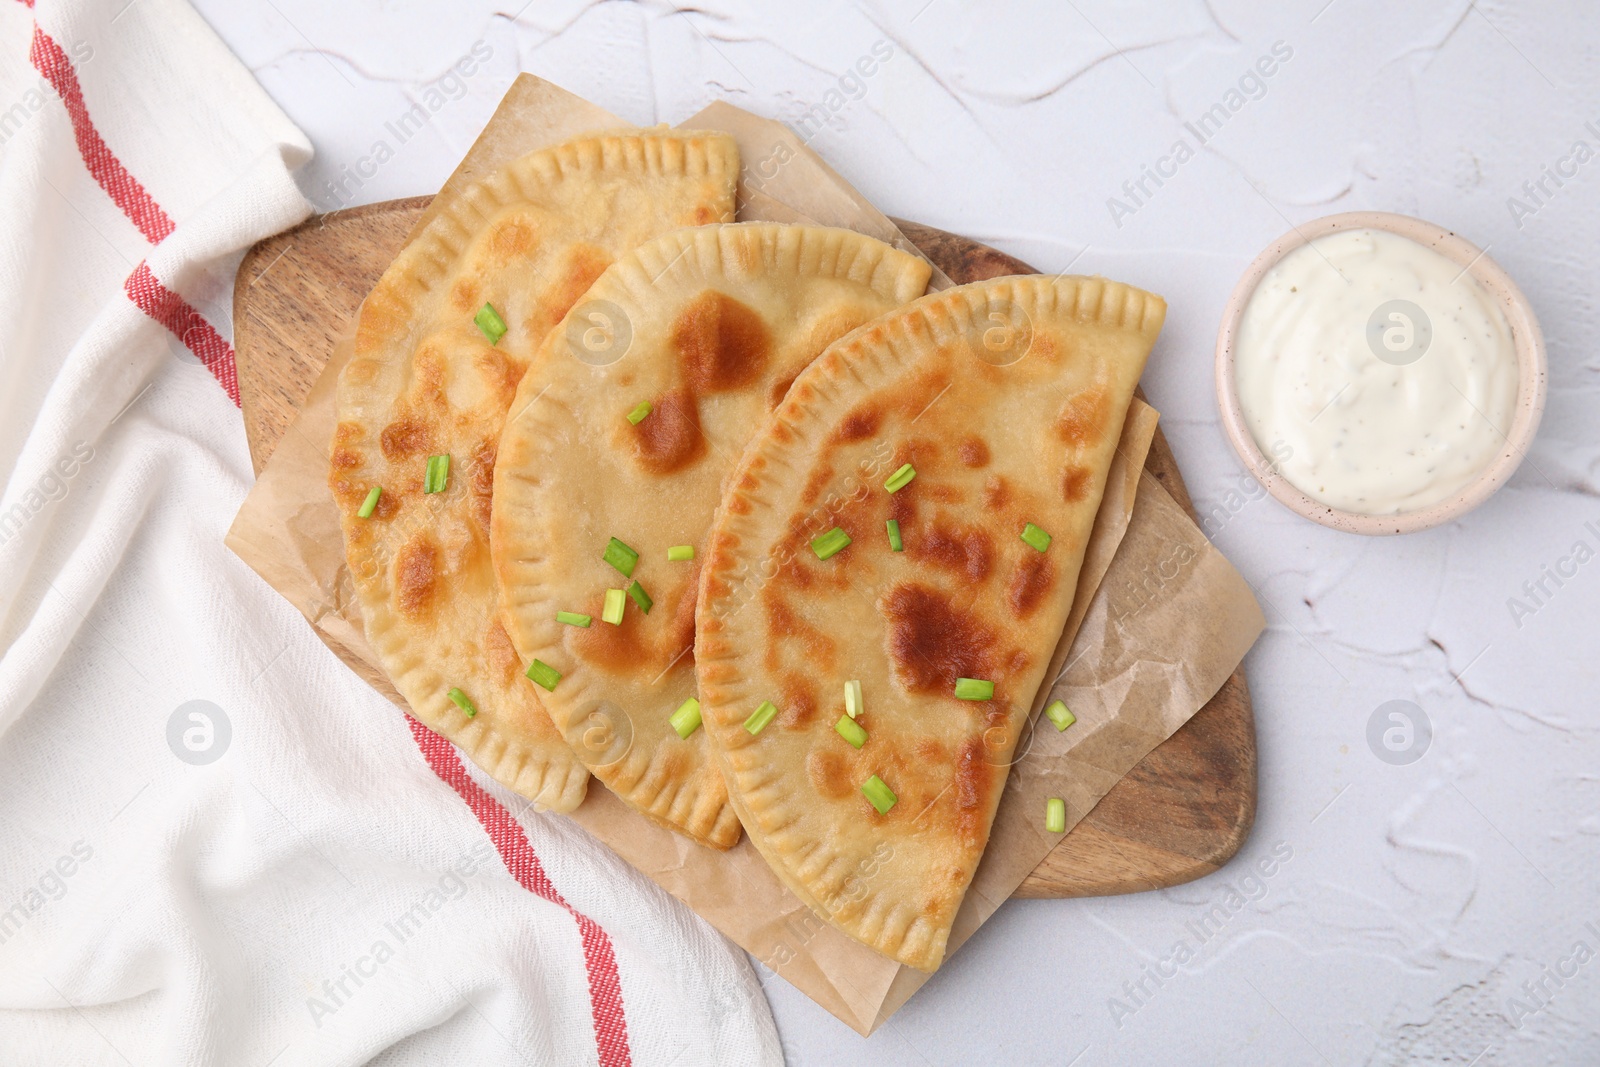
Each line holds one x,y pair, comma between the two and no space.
605,987
143,288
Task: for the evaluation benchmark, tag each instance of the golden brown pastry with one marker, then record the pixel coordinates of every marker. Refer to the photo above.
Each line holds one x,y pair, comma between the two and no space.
441,343
622,434
912,522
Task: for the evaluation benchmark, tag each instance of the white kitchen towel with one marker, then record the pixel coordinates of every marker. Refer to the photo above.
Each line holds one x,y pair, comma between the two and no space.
217,845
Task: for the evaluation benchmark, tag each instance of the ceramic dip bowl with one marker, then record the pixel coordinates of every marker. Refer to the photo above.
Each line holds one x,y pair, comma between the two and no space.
1531,370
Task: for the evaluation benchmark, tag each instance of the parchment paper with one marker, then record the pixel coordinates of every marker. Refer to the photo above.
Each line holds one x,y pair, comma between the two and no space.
1160,622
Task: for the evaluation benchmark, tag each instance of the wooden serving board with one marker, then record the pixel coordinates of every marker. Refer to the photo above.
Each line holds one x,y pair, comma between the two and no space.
1180,814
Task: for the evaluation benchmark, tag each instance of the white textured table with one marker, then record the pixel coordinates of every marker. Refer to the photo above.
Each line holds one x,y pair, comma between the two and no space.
1416,898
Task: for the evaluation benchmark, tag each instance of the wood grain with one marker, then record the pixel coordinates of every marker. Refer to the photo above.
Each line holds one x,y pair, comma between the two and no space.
1180,814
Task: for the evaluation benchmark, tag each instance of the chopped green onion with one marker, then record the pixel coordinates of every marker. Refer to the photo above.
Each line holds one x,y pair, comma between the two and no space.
852,699
616,601
438,474
900,478
1055,815
462,701
1057,713
572,618
370,503
679,553
544,674
974,689
1036,537
878,794
895,544
621,557
851,731
827,544
686,720
637,415
490,322
637,594
760,717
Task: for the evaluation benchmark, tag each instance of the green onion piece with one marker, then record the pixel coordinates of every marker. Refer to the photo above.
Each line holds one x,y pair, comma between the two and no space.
1055,815
900,478
1036,537
686,720
852,699
760,717
637,594
437,475
621,557
974,689
637,415
490,322
880,795
895,544
1057,713
827,544
544,674
679,553
572,618
370,503
616,601
462,701
851,731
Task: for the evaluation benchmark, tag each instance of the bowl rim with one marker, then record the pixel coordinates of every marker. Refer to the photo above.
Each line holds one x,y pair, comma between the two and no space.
1527,343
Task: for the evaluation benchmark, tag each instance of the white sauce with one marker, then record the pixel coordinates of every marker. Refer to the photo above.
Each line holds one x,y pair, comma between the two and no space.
1378,436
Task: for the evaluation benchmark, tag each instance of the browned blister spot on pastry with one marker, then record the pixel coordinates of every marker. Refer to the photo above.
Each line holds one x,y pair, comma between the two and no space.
585,263
465,296
1031,579
779,390
1083,418
966,551
389,503
501,654
500,374
619,649
672,763
1075,482
996,493
405,438
346,432
512,237
797,702
480,479
680,627
416,576
974,780
669,439
785,627
973,451
932,642
722,343
429,373
383,314
829,773
935,905
345,458
746,255
903,508
860,424
344,490
817,483
351,495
